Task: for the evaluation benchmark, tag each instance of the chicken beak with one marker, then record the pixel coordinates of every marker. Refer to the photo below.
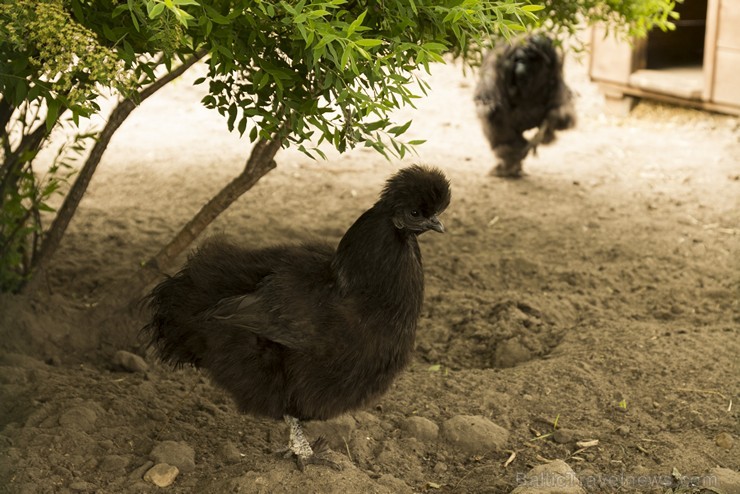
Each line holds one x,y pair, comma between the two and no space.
435,224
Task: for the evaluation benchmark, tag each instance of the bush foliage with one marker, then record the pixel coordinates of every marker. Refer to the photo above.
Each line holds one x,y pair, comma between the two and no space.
303,72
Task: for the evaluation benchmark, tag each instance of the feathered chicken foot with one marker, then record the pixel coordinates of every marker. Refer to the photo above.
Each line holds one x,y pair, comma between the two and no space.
304,452
543,135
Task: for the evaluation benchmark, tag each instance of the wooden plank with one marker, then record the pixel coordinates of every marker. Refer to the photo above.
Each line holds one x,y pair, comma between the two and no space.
684,82
727,77
611,59
729,24
710,48
614,89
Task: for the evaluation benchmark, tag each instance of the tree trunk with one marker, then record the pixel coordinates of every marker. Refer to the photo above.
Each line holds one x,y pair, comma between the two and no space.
112,314
261,161
53,237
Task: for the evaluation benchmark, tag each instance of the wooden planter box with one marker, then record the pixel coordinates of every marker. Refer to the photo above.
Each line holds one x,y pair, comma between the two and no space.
698,64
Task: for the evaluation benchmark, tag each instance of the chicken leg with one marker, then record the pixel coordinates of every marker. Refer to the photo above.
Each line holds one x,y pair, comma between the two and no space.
304,452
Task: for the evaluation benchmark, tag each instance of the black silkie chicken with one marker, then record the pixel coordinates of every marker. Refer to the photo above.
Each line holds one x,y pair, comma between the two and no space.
306,332
521,87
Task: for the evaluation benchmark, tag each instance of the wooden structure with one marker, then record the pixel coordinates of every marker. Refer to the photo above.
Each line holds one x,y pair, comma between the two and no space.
698,64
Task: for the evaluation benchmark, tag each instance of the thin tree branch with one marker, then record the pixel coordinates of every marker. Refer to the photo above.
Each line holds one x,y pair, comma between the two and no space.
53,237
6,111
260,162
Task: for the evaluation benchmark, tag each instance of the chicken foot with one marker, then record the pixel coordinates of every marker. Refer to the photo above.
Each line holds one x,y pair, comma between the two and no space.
304,452
545,134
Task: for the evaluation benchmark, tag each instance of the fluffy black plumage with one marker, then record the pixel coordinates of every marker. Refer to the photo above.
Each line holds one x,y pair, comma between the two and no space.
305,331
521,87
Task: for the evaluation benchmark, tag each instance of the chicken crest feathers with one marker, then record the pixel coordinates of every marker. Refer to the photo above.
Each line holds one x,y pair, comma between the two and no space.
417,185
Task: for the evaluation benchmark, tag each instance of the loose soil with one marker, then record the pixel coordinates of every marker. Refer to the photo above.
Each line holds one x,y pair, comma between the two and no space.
597,298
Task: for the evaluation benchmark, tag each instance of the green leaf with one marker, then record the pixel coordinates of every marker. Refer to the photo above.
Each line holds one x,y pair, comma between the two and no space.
413,7
356,23
434,47
315,14
155,10
368,43
52,113
398,130
215,16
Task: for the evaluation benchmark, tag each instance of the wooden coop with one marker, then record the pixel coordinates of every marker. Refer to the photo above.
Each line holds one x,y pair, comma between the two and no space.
697,64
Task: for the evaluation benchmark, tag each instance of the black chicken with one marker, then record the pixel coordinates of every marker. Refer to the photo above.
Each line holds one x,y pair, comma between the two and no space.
521,87
305,331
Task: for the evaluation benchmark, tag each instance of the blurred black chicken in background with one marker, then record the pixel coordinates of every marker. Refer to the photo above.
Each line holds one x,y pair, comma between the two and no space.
306,331
521,87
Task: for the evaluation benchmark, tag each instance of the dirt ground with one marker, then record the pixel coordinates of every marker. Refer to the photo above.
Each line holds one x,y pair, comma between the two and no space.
595,299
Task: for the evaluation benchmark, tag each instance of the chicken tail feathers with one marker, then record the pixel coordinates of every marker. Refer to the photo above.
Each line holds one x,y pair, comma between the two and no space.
176,338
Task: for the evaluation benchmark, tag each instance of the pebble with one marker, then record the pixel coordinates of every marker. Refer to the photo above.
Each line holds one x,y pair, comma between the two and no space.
440,467
161,474
555,477
174,453
623,430
229,452
112,463
82,486
139,472
421,428
563,436
510,353
474,434
79,417
106,444
365,418
724,440
129,361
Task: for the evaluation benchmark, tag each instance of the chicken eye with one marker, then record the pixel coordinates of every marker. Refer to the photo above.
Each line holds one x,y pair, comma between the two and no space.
415,213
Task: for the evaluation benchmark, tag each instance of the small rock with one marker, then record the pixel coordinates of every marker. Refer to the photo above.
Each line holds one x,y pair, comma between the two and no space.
623,430
723,481
89,464
82,486
724,440
564,436
510,353
229,452
129,361
79,417
440,467
174,453
421,428
555,477
161,474
138,474
106,444
112,463
365,418
474,434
